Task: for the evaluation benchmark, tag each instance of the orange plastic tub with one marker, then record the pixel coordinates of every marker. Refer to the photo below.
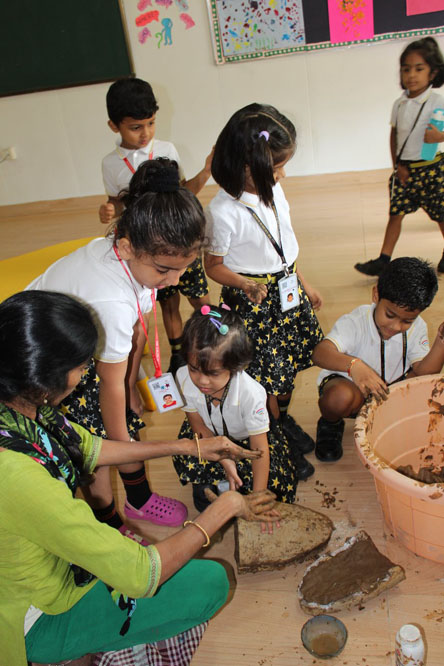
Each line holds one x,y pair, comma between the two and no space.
407,429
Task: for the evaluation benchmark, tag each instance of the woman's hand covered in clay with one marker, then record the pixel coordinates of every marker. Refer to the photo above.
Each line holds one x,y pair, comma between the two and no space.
368,381
219,448
233,477
257,506
255,292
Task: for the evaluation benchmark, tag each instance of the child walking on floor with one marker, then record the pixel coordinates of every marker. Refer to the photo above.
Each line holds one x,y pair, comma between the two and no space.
132,109
253,252
415,182
223,399
374,346
158,236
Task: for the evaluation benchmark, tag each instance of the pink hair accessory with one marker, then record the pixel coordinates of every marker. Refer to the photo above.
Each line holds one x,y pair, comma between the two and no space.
265,134
225,306
205,309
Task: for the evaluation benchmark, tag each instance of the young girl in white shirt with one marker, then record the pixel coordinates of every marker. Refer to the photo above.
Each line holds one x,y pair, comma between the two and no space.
253,252
222,399
158,236
415,182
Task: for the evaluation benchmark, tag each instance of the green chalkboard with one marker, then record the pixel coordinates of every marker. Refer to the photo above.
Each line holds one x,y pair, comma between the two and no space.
46,44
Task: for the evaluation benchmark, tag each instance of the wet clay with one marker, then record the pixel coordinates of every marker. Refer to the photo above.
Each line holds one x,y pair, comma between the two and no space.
429,474
325,644
355,569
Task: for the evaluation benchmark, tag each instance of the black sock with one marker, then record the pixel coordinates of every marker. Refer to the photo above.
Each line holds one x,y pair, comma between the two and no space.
136,487
385,258
109,516
283,407
175,344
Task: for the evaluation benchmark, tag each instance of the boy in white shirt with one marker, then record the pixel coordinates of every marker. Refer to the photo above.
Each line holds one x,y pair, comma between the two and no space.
375,346
132,109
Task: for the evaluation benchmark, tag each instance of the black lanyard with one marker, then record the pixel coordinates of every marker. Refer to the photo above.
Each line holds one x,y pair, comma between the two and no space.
209,401
404,358
277,246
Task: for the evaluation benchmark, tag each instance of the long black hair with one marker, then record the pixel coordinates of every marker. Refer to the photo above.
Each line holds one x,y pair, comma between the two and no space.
429,49
201,338
257,136
43,335
160,216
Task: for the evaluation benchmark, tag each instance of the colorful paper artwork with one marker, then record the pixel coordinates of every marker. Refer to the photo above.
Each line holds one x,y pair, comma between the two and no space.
164,34
350,20
248,26
424,6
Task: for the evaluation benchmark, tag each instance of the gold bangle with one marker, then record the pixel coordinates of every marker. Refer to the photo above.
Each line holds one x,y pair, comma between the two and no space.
204,532
352,362
196,439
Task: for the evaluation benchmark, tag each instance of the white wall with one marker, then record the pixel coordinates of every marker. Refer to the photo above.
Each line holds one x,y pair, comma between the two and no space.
339,100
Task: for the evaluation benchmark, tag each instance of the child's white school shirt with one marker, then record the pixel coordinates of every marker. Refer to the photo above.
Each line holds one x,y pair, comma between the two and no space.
244,409
236,236
116,173
404,113
93,275
356,334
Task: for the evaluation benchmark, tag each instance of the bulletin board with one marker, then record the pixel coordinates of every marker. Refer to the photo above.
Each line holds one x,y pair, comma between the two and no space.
46,44
251,29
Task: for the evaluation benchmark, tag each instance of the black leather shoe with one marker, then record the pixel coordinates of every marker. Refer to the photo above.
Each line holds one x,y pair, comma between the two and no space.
371,267
329,440
296,436
304,468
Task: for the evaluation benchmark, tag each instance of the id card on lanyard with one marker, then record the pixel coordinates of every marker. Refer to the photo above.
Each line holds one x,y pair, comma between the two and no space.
288,285
162,386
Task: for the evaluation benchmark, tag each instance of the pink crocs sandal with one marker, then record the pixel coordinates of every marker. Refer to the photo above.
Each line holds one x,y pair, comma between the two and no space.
159,510
133,536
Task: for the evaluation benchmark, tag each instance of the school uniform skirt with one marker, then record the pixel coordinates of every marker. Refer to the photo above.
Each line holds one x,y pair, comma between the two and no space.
282,341
82,406
423,189
282,478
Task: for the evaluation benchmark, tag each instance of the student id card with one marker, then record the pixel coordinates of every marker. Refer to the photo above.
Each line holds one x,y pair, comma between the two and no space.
165,392
289,292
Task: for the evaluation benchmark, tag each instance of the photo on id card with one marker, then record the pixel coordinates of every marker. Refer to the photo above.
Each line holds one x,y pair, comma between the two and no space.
289,292
165,392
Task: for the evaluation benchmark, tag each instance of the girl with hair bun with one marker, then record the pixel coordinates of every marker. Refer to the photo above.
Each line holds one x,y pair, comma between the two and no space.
415,182
159,234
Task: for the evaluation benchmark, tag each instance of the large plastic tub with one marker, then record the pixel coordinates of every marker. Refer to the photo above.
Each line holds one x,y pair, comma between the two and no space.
407,429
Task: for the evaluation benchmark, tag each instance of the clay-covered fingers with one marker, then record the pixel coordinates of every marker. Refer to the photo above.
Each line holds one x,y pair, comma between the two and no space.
259,505
255,292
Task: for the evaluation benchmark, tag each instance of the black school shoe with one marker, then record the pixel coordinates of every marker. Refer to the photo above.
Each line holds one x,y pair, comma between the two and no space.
296,436
304,468
329,440
372,267
201,502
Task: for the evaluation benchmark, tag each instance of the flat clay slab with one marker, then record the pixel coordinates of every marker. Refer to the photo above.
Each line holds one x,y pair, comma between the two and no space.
302,532
347,577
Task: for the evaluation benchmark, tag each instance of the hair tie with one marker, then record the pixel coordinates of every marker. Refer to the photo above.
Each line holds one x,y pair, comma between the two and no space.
222,328
265,134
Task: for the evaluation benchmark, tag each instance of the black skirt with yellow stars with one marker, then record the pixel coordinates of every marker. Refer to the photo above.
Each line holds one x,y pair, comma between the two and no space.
82,406
282,341
192,284
282,479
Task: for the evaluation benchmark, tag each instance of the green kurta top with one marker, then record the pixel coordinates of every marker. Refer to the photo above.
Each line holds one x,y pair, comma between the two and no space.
42,530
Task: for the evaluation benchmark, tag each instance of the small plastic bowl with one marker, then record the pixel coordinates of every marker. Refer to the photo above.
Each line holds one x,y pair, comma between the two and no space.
324,636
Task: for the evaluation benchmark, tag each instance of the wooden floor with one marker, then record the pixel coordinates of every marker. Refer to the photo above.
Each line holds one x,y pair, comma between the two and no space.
339,219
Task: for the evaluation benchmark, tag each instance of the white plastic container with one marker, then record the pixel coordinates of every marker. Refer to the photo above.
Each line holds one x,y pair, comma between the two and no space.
409,646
